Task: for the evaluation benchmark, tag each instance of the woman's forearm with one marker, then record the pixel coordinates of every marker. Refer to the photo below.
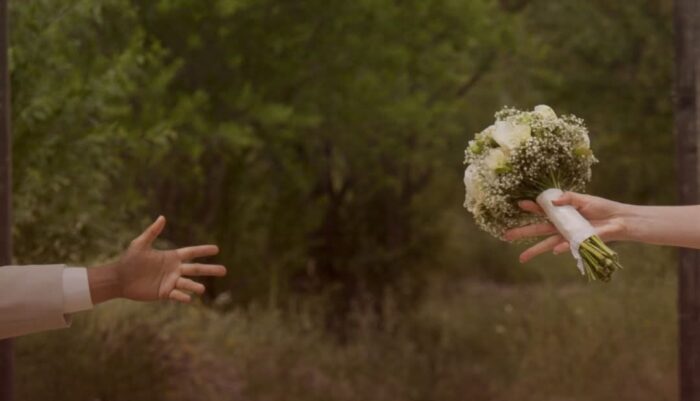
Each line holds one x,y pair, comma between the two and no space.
663,225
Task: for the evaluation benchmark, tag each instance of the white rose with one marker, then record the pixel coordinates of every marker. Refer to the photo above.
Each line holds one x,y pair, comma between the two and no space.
488,131
545,111
509,136
496,159
472,185
586,141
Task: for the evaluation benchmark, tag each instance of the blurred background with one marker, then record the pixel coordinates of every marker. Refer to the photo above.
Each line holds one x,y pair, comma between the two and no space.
320,144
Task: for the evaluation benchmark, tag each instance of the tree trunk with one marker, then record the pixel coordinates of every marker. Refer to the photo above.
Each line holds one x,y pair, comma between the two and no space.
687,119
6,357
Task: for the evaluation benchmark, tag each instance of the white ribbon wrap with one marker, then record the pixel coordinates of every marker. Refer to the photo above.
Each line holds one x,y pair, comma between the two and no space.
568,221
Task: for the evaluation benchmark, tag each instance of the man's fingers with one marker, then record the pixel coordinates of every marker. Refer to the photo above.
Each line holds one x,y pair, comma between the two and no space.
177,295
200,269
530,206
540,248
151,233
199,251
533,230
186,284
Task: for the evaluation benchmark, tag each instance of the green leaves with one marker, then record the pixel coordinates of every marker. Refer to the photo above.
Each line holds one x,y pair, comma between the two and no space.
318,145
84,82
321,135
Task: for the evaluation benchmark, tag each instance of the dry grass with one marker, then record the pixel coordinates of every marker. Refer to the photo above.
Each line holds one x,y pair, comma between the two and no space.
467,340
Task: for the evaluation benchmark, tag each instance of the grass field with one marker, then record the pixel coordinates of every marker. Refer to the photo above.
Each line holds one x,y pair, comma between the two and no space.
466,340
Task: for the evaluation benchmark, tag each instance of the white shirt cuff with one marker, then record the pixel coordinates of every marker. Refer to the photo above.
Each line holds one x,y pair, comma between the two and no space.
76,290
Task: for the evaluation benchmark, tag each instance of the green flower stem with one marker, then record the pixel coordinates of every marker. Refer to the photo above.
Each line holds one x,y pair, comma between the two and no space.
600,262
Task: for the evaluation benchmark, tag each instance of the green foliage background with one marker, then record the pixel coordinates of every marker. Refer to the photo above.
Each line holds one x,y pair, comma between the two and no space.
320,145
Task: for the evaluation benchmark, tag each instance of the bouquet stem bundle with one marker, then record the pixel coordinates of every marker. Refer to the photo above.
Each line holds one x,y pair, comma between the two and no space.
594,259
599,260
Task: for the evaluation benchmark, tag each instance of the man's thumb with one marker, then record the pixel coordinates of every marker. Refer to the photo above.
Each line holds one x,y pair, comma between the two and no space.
152,232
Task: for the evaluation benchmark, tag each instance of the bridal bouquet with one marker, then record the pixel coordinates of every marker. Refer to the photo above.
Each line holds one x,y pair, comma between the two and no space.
535,155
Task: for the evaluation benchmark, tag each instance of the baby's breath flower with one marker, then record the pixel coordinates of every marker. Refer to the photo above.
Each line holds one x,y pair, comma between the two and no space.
519,156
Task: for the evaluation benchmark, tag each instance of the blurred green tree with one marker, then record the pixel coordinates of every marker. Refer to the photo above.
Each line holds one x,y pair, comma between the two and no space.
319,146
324,131
610,63
87,114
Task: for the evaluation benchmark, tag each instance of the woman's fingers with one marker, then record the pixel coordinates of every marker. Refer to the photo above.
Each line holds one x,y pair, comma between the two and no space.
567,198
610,229
561,248
605,229
571,198
530,206
186,284
199,251
533,230
200,269
541,247
180,296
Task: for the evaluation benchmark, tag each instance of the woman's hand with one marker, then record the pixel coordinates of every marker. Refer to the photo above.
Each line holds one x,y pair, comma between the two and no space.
145,274
606,216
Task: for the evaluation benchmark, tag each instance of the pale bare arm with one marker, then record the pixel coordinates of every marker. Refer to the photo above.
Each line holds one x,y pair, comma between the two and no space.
664,225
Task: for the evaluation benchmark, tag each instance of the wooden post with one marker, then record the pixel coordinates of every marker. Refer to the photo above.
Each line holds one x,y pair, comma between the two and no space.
687,119
6,356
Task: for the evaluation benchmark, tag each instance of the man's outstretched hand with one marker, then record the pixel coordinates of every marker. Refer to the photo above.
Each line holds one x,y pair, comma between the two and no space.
145,274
